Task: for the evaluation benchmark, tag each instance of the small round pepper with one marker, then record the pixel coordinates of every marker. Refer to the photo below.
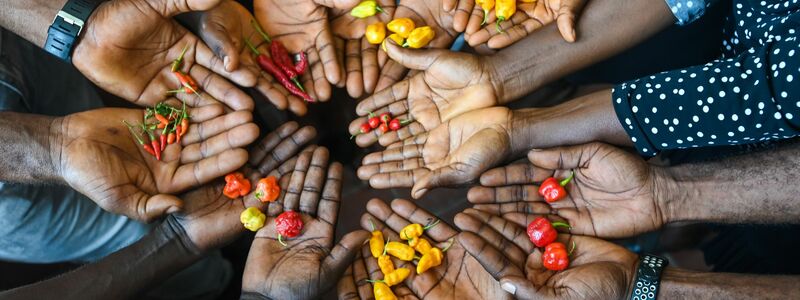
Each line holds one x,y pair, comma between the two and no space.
555,257
252,218
236,185
366,9
400,250
288,224
552,190
400,41
267,189
542,232
375,33
401,26
415,230
381,291
420,37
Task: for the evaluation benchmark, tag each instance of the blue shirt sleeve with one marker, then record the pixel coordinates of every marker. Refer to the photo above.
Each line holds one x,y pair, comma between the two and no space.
686,11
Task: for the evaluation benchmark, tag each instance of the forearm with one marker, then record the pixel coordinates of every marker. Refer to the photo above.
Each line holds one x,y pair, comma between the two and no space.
605,28
682,284
30,18
121,275
29,146
578,121
754,188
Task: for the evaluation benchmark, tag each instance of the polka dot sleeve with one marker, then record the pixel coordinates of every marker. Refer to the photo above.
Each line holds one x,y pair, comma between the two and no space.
686,11
749,98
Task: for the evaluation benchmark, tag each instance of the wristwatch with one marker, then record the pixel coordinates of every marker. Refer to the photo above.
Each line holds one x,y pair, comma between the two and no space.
648,277
67,26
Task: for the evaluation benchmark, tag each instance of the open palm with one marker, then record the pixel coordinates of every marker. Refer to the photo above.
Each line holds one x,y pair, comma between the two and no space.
450,84
307,266
613,195
129,45
597,269
454,153
99,158
459,277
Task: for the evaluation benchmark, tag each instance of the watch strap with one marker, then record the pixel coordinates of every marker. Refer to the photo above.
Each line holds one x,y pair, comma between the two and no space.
648,277
67,26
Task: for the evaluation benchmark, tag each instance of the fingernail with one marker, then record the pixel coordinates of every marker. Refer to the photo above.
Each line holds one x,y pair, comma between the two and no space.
173,209
573,35
227,62
510,288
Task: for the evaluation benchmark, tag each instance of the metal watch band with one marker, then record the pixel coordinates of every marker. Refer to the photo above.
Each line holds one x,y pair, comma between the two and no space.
648,277
67,26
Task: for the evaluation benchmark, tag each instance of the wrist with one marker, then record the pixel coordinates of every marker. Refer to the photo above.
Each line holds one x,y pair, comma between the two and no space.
510,79
174,230
56,146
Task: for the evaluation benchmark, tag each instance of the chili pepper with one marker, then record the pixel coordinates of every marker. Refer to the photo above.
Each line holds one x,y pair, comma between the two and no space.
395,277
163,142
400,250
420,244
362,130
267,189
376,245
171,138
401,26
252,218
178,134
236,185
432,258
186,81
146,147
542,232
381,291
420,37
375,33
366,9
385,117
414,230
383,128
288,224
302,63
268,65
553,190
161,119
260,30
385,264
281,58
396,38
155,145
504,9
184,125
555,257
374,122
487,6
396,124
176,64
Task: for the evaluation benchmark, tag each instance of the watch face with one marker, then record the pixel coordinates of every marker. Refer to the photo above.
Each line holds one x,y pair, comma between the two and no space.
648,273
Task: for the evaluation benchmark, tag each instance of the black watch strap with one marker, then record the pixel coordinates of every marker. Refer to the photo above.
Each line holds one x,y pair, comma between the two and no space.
648,277
67,26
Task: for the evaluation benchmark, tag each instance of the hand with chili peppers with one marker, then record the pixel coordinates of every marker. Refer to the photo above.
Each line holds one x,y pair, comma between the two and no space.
594,268
225,29
613,193
110,53
309,263
454,153
455,84
528,17
459,275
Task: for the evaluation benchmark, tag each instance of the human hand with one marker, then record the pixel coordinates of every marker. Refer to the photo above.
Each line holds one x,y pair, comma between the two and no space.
614,194
460,276
97,156
456,152
597,269
449,84
443,17
361,63
223,28
128,47
309,264
528,18
302,26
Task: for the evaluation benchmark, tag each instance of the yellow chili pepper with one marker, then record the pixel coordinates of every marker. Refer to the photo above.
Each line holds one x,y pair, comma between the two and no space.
420,37
385,263
376,243
396,38
401,26
414,230
252,218
396,277
366,9
400,250
420,244
429,260
504,10
528,1
375,33
381,291
487,6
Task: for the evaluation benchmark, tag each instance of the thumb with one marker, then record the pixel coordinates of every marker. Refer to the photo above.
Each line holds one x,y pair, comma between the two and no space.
562,158
339,4
412,59
520,287
170,8
224,45
342,255
444,176
566,19
148,208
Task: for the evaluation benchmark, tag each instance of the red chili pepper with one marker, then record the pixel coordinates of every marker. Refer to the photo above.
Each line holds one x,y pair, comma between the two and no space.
184,126
178,135
555,257
385,117
365,128
374,122
163,142
288,224
552,190
267,189
281,58
145,146
236,185
162,119
302,65
187,82
268,65
542,232
383,128
171,138
155,145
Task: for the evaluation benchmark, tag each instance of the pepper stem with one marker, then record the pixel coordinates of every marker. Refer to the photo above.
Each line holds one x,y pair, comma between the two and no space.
497,25
374,281
485,16
571,250
568,179
416,257
384,246
452,241
280,240
561,224
260,31
406,122
252,48
177,63
298,84
136,136
371,224
430,225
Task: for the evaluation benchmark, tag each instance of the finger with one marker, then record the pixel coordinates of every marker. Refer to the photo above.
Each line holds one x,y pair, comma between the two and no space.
563,158
221,89
396,154
287,148
170,8
367,171
342,255
566,19
328,209
309,198
201,131
468,223
400,179
488,256
369,65
462,14
283,173
224,45
340,56
207,169
290,201
448,175
391,72
474,24
410,130
412,58
520,287
322,86
500,209
504,194
384,98
143,207
520,173
309,77
276,94
514,34
346,287
236,137
449,5
361,275
265,145
339,4
355,81
243,77
205,113
327,54
507,230
411,212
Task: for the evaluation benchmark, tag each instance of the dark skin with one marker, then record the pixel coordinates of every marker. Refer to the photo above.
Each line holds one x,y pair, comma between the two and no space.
459,277
310,264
